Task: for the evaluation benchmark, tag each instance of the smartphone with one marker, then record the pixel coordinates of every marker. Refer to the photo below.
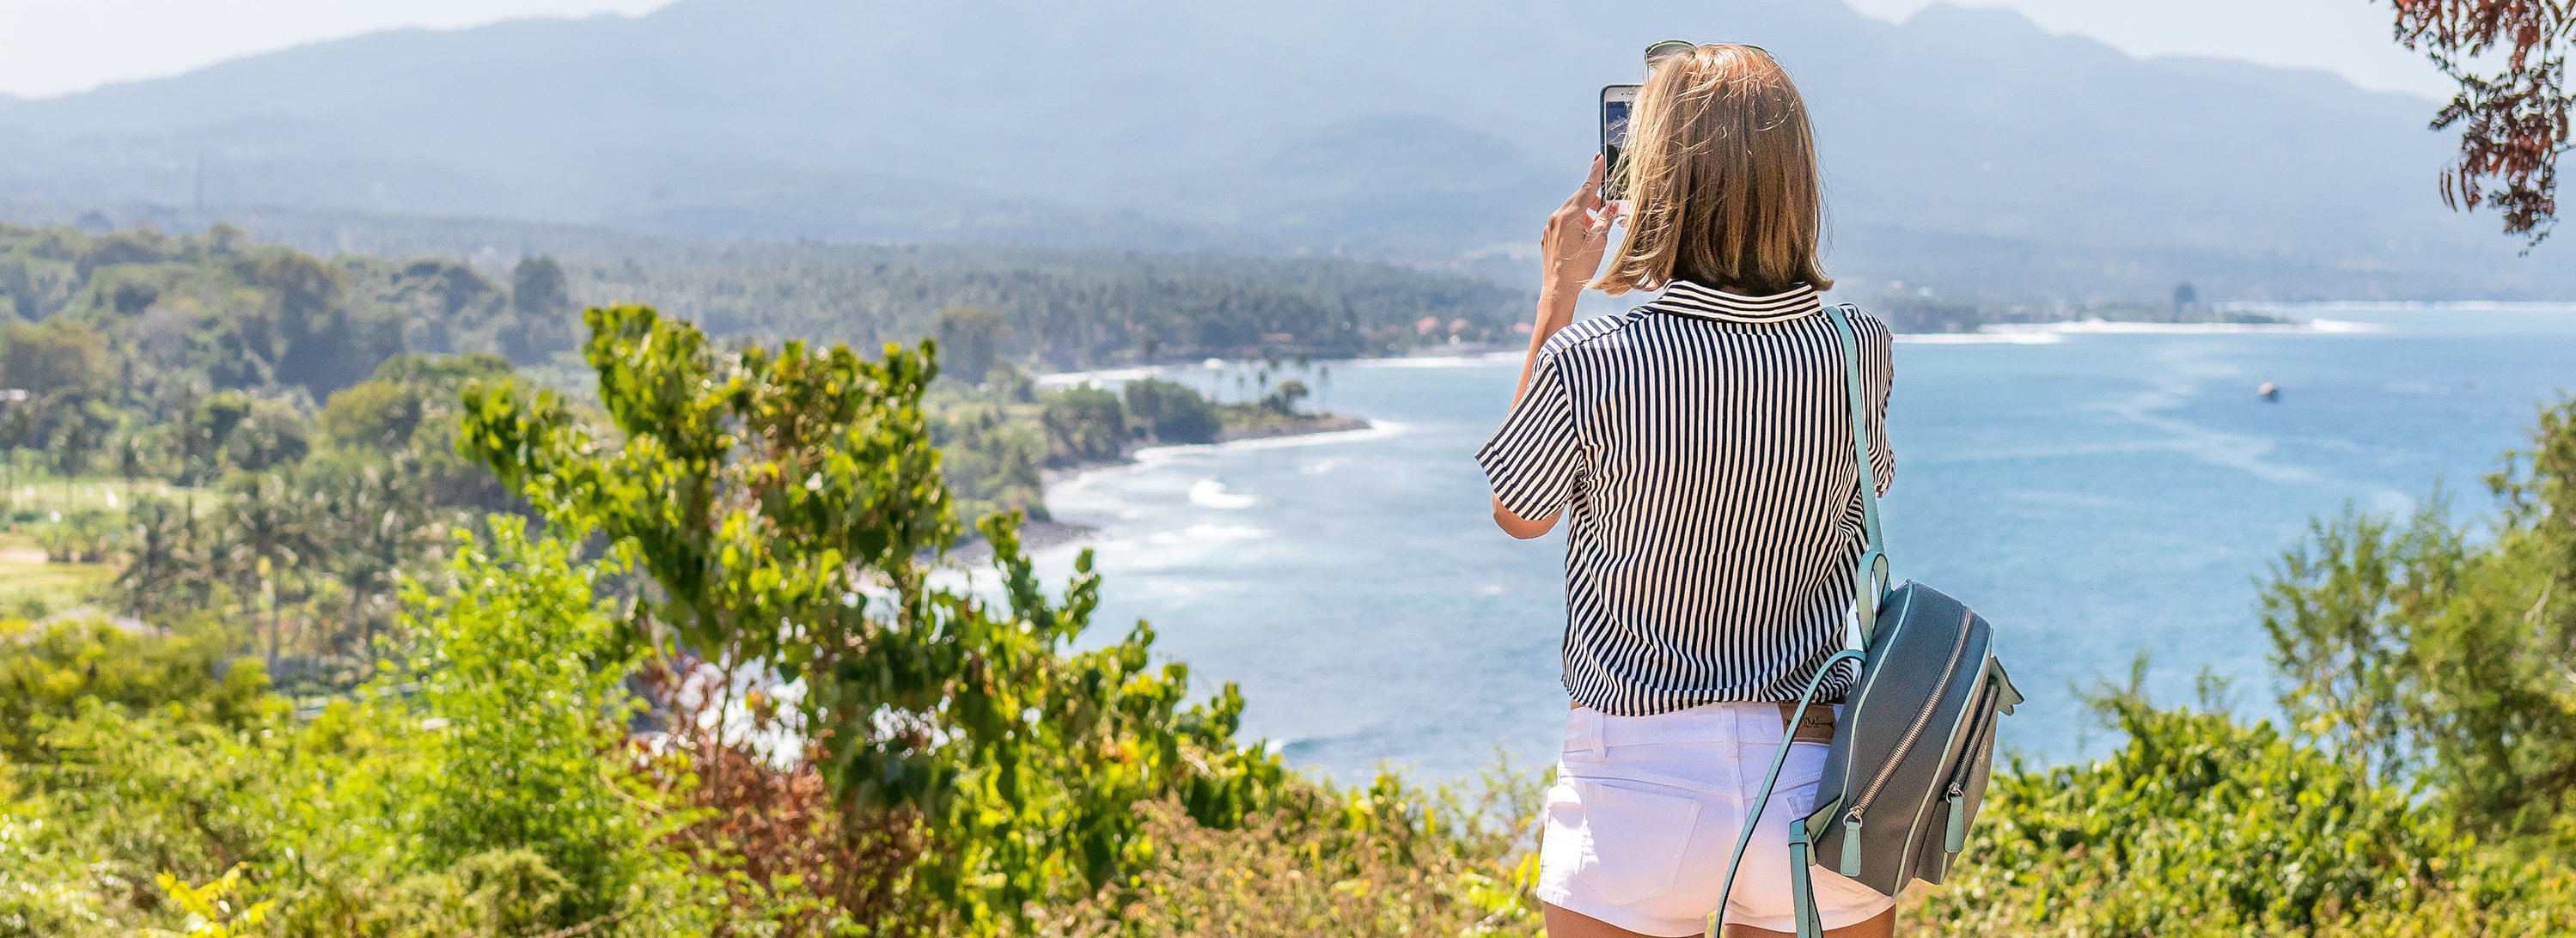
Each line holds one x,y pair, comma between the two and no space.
1616,102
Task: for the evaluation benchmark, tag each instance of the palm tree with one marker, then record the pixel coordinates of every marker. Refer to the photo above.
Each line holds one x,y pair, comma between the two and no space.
160,574
263,530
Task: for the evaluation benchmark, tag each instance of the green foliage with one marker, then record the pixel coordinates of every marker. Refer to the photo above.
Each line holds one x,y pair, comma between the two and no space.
53,357
973,337
523,671
2202,825
544,311
2198,825
407,417
211,908
2427,654
781,500
1171,412
1390,859
2424,791
79,536
992,455
1084,424
1058,309
1283,399
47,671
498,800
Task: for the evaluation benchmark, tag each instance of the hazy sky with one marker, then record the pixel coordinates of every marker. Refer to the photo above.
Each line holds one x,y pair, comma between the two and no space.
50,47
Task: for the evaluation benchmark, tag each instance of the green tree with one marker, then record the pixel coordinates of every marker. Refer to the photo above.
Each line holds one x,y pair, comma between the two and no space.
1284,400
47,671
2200,825
781,499
973,337
1172,412
1083,424
521,663
407,415
2428,653
55,357
542,311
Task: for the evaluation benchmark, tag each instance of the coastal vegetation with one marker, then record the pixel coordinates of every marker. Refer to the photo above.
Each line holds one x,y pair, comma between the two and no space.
1923,312
619,625
271,434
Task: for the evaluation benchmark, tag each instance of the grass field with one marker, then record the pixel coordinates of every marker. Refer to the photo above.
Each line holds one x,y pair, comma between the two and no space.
30,587
43,497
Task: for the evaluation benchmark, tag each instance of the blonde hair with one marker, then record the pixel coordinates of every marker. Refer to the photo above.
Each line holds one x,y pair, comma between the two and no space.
1723,186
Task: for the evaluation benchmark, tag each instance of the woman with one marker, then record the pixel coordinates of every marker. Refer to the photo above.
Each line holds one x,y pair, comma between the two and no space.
1699,449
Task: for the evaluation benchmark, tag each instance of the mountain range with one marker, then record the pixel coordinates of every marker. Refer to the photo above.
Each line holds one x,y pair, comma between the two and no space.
1966,150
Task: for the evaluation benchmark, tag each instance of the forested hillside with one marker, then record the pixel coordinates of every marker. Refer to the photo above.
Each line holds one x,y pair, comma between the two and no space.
1965,148
1067,310
228,427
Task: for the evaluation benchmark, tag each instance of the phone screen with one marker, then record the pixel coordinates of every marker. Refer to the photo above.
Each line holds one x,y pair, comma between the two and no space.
1616,102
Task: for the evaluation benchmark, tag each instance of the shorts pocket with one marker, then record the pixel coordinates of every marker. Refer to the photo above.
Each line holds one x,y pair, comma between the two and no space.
1617,842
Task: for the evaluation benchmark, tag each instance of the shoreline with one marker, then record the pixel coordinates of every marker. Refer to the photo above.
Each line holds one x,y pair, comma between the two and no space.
2046,332
1324,424
1037,536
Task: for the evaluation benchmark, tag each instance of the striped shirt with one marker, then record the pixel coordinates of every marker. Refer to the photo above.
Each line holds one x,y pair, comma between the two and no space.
1700,446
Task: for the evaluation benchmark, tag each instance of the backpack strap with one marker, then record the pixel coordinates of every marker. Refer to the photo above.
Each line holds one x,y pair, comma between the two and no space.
1802,889
1869,588
1859,400
1870,581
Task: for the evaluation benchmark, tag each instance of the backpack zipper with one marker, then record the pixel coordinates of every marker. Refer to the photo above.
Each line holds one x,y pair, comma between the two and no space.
1851,819
1980,706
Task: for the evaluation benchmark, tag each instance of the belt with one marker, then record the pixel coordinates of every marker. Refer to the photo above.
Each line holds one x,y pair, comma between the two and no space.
1818,727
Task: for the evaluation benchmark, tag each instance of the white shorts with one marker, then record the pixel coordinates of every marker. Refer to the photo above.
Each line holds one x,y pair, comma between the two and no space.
1646,810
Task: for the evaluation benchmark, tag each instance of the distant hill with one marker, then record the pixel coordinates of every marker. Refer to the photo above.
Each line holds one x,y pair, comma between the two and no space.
1966,150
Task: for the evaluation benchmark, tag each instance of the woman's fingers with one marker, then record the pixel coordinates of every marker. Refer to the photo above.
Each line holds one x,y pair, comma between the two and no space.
1601,222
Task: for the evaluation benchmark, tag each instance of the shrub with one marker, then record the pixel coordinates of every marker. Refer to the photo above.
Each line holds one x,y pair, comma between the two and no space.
2426,654
1171,412
47,671
521,672
1083,424
1390,859
2202,825
784,501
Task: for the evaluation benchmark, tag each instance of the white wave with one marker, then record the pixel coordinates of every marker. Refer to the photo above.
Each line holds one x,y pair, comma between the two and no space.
2106,327
1204,532
1210,493
1376,430
2411,306
1474,360
1066,379
1980,338
1316,467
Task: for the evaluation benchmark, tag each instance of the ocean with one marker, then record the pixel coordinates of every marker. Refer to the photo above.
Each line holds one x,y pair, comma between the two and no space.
2100,493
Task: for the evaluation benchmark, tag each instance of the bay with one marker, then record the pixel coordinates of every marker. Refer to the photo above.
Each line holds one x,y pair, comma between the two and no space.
2098,494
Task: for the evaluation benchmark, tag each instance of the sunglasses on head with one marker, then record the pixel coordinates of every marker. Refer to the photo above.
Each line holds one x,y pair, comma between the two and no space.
1672,47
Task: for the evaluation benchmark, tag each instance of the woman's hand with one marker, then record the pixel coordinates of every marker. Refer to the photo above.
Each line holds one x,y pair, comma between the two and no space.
1578,233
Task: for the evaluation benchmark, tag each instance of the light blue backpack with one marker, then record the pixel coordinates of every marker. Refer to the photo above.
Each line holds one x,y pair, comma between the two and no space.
1917,737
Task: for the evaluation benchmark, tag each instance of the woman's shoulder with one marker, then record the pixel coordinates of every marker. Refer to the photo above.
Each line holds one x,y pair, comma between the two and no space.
1583,334
1867,325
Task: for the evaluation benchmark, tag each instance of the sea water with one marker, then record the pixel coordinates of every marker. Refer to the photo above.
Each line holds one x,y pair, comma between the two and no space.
2098,494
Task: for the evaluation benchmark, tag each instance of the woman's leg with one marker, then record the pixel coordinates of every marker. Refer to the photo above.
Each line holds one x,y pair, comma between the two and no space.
1564,923
1884,926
